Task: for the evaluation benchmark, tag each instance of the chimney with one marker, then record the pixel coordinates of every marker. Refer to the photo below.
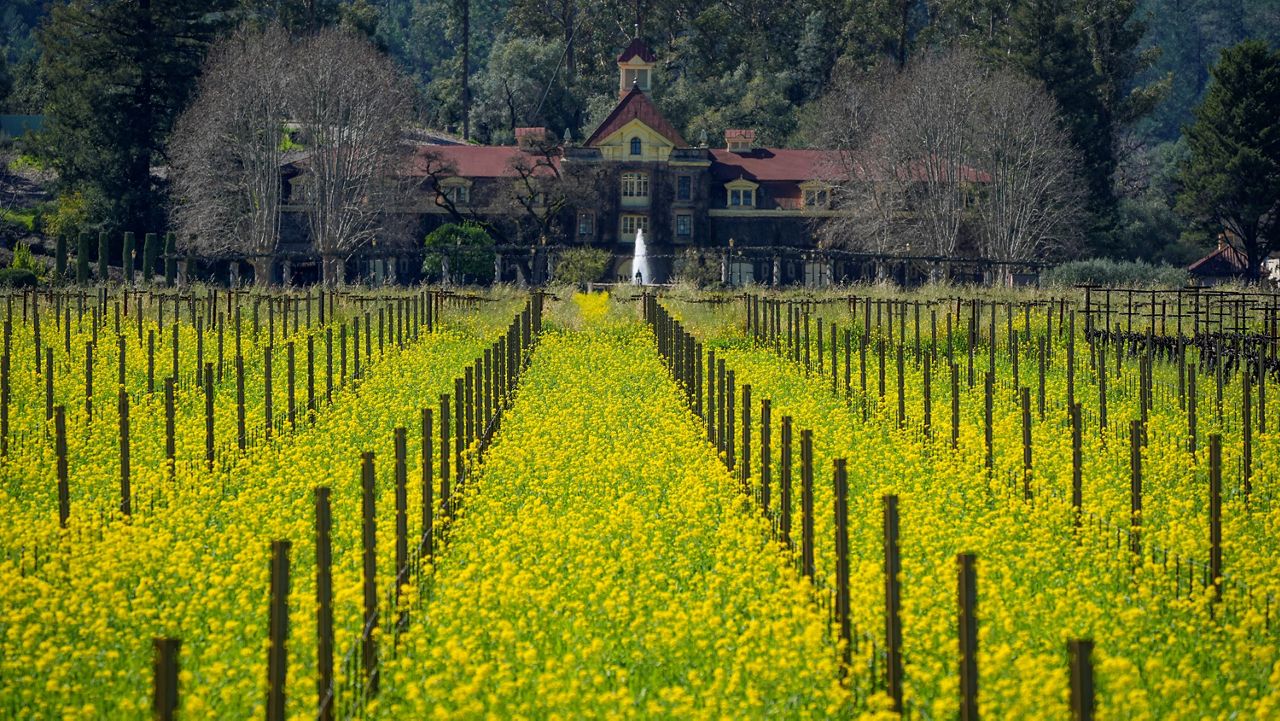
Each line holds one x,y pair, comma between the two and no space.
739,140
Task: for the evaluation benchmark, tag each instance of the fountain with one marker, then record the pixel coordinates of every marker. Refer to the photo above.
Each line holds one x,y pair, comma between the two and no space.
640,261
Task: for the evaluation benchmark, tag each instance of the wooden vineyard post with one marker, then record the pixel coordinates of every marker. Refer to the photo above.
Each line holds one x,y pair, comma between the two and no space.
208,415
60,448
278,630
928,396
892,602
445,500
1191,410
170,422
745,469
902,394
987,421
88,383
1102,387
1246,431
841,483
1215,513
241,431
1077,465
126,494
784,484
1026,443
806,504
368,529
1135,487
324,605
291,378
766,454
267,411
1080,652
955,406
730,421
427,545
48,385
164,699
402,510
968,632
151,361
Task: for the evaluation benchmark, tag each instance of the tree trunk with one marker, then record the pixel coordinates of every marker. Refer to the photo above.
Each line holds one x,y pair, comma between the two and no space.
261,272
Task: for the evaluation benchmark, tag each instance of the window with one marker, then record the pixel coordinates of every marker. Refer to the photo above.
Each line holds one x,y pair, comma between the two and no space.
638,77
636,146
586,224
815,198
632,223
684,187
684,225
635,185
742,198
456,194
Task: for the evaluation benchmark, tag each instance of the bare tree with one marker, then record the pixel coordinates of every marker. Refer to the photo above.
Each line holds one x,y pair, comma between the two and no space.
928,130
1033,197
863,185
350,104
947,150
227,149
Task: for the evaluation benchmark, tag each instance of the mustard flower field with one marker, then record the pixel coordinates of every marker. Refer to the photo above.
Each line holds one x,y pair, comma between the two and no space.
641,504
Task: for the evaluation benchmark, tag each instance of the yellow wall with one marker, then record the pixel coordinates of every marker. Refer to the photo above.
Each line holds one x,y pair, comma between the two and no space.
617,146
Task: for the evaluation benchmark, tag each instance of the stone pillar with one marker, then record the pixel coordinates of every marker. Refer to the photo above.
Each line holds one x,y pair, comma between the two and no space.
233,273
831,271
776,279
724,267
444,269
497,267
286,272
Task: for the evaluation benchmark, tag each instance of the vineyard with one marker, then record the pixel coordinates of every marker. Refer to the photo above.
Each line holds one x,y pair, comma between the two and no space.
437,504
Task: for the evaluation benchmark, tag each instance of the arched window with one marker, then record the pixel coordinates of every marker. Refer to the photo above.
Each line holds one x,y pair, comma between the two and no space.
635,146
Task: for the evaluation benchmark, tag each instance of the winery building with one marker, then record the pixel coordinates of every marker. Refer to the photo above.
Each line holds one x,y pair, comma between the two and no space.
636,171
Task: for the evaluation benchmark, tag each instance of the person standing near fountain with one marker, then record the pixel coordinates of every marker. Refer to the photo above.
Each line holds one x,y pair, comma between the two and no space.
640,260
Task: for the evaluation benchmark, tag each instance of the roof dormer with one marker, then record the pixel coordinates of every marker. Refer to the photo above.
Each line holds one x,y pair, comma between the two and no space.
739,141
635,67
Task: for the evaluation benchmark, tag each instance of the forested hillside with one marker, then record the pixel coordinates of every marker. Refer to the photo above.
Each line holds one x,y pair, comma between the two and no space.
1126,74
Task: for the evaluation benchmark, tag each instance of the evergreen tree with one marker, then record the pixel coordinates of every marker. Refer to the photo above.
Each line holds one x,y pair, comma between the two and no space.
104,253
117,73
126,257
150,252
170,259
60,257
83,248
1231,179
1050,47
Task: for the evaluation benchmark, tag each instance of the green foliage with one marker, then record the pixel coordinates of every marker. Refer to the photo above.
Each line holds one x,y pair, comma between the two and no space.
170,259
579,266
695,268
84,245
150,254
24,259
117,74
60,258
512,86
1231,178
1107,272
467,249
70,214
126,256
104,253
18,278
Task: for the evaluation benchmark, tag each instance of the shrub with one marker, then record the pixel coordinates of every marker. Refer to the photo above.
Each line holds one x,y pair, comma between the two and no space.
18,278
23,259
468,250
693,267
1101,271
579,266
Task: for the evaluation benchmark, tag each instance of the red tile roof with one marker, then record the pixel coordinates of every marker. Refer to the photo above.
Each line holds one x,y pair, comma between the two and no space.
635,105
799,165
765,164
637,49
469,161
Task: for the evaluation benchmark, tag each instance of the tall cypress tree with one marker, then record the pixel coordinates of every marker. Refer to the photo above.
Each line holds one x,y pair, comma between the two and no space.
150,253
84,246
117,73
1231,178
60,258
126,256
170,259
104,255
